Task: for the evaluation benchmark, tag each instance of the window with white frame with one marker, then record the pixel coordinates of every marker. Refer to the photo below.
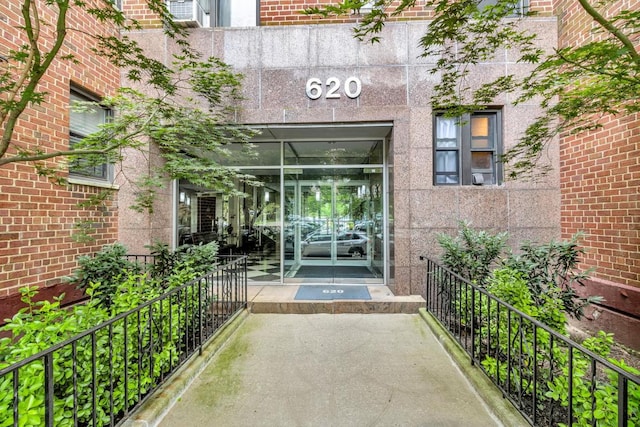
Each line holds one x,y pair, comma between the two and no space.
82,123
467,149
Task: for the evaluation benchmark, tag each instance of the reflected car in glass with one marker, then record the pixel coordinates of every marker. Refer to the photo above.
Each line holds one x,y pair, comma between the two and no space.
348,243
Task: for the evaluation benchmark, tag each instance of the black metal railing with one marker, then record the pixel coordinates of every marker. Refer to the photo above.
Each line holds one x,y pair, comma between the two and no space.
98,377
548,377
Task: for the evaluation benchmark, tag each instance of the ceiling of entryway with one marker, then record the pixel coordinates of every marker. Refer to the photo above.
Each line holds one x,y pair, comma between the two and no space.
322,132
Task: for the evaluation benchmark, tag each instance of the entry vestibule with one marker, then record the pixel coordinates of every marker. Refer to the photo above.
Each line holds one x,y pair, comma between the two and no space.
319,214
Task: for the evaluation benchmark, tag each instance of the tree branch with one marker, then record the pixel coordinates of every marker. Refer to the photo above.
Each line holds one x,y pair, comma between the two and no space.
46,156
597,70
622,37
34,69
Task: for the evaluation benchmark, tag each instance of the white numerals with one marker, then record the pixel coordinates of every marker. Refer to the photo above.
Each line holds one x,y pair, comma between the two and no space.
315,89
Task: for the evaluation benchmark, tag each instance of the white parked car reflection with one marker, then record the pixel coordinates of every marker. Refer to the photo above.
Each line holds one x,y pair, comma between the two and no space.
348,243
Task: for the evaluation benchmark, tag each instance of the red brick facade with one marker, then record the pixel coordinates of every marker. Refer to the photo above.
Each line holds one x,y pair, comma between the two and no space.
600,176
287,12
37,217
600,187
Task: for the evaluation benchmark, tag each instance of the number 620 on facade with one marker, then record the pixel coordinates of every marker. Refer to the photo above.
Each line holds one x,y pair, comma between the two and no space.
333,88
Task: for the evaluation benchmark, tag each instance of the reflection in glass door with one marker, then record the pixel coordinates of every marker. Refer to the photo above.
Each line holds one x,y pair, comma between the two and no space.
333,223
317,214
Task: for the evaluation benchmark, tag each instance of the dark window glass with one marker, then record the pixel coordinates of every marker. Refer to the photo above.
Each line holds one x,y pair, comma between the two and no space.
81,124
466,149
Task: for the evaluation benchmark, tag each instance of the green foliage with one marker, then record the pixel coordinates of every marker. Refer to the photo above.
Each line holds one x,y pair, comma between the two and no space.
472,253
135,352
511,356
103,271
192,260
576,85
190,130
518,359
551,271
601,405
518,355
149,349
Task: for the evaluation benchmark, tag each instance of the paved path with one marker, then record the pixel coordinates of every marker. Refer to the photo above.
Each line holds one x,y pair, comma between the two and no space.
331,370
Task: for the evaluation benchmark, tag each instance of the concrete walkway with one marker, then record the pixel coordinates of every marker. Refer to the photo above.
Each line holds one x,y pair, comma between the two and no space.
329,370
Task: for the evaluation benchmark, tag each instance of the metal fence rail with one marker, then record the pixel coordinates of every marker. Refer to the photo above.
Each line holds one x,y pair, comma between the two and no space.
98,377
548,377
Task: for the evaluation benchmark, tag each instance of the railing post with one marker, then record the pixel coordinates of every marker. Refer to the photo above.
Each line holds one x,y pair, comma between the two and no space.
200,315
48,390
473,325
246,285
623,397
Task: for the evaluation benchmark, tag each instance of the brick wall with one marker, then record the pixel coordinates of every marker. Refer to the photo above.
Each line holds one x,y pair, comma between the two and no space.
600,183
600,180
138,10
287,12
37,217
600,176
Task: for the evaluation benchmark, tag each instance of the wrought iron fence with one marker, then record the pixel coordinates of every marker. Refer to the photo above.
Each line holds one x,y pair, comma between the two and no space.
98,377
549,378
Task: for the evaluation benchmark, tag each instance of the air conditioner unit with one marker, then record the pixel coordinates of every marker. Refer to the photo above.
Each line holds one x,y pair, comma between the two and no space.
184,12
477,179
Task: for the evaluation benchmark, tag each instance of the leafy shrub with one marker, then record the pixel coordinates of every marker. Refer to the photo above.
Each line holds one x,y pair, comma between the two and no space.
601,406
539,281
130,357
472,253
106,268
140,348
551,269
510,357
199,259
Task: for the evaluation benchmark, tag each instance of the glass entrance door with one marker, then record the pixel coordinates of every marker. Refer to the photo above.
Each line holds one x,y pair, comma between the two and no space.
331,223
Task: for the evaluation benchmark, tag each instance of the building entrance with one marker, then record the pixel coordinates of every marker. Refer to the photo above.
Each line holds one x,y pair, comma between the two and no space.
333,225
318,214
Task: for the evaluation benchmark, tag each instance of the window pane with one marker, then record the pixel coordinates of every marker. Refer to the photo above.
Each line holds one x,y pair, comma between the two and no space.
81,124
87,121
481,132
446,132
223,17
86,167
181,10
447,143
255,154
446,127
465,146
447,161
481,160
480,126
447,179
333,152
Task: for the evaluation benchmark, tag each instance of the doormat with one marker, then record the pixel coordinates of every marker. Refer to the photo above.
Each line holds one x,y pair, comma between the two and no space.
332,292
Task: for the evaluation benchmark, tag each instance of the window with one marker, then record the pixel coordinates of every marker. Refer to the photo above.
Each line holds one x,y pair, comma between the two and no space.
214,13
467,149
81,124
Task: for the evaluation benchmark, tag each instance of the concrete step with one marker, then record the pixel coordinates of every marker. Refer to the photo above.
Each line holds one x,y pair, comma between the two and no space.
280,299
